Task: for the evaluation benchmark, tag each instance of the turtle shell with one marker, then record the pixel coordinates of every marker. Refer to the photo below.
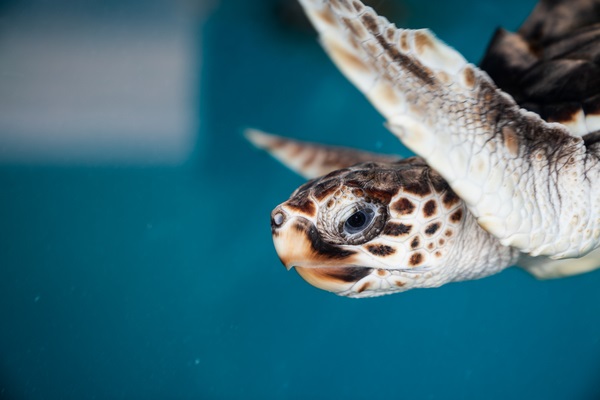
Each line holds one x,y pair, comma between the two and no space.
551,65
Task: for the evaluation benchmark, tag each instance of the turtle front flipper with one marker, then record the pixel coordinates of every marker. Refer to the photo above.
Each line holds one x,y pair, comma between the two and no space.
531,184
312,160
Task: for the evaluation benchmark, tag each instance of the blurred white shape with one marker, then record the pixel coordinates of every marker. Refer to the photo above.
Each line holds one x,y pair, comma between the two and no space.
85,90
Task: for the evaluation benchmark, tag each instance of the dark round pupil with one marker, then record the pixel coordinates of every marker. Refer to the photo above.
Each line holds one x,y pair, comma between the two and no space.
357,220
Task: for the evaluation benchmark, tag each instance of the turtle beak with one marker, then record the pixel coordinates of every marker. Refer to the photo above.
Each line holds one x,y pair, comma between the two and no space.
298,243
289,238
322,265
333,279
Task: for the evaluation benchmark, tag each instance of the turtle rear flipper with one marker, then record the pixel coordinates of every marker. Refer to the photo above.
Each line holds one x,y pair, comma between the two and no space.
546,268
312,160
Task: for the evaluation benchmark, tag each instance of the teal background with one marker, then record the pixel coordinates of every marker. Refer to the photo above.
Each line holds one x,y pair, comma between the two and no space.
161,282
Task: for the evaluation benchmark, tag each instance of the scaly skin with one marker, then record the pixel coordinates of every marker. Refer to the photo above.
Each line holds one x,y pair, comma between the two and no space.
527,182
494,184
422,235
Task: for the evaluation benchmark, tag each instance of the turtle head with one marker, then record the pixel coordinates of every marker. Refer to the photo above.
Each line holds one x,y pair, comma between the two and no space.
372,229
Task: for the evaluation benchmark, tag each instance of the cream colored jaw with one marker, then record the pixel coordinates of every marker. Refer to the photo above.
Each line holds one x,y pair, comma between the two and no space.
345,277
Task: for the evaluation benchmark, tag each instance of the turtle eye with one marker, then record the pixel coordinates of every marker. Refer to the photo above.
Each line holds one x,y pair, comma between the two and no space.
359,221
352,224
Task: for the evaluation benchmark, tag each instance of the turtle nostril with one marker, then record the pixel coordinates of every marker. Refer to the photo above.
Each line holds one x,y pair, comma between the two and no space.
278,219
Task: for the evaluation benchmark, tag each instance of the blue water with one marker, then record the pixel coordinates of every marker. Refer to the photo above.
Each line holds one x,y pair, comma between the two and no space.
161,281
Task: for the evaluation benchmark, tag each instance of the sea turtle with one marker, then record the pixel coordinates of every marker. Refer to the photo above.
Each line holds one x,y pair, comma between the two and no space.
493,184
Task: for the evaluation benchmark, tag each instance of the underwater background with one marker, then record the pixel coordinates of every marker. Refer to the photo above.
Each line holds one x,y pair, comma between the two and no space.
136,259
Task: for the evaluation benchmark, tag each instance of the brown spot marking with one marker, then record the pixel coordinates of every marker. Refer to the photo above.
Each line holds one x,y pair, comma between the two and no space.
422,42
370,23
294,150
358,192
372,48
276,143
388,94
358,6
456,215
438,254
444,77
420,188
326,16
404,41
330,203
415,243
469,75
511,140
417,109
342,55
429,208
395,229
381,272
382,196
415,259
448,232
430,246
433,228
399,283
303,204
357,29
442,241
488,92
407,63
355,44
310,159
390,33
450,199
403,206
438,183
324,189
363,287
380,250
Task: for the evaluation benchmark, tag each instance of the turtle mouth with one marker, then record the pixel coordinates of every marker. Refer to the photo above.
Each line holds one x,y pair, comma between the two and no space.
358,281
333,279
326,266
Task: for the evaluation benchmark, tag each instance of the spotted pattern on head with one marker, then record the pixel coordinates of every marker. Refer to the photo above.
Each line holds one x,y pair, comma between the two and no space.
409,206
438,207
